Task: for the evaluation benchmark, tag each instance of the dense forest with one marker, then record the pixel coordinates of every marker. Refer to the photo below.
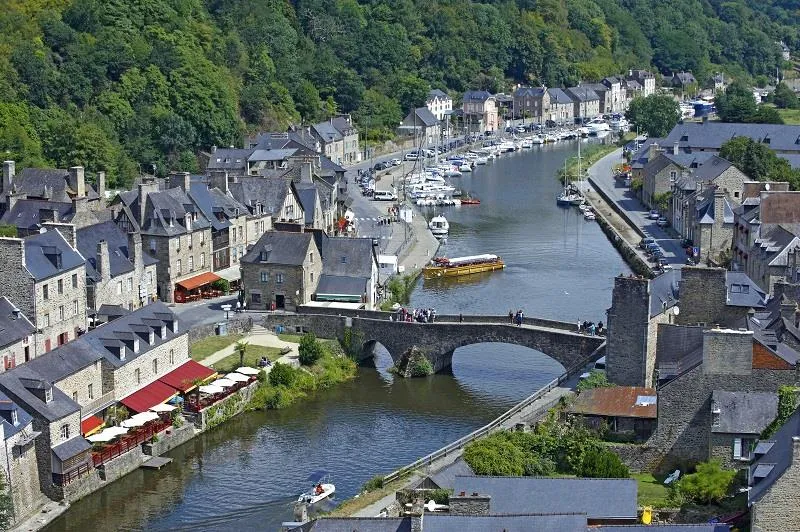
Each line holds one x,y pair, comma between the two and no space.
122,85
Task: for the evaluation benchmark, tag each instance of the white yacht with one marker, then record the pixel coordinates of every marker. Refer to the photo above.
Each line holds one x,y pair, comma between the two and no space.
481,160
439,225
465,167
597,125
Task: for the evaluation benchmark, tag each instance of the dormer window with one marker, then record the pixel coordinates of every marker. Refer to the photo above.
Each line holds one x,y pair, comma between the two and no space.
151,339
163,332
48,395
122,352
14,416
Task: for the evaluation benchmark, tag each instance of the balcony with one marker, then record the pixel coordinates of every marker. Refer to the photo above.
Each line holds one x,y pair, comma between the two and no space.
130,441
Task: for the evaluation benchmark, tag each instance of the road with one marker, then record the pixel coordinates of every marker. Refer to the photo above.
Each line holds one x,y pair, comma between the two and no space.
603,176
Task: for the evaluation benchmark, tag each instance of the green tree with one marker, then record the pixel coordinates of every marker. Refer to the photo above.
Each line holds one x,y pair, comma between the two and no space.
495,455
656,114
758,161
709,484
282,375
736,104
241,350
784,97
602,463
766,115
309,350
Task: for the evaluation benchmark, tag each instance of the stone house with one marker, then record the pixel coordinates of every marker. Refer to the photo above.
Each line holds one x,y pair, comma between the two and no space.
18,339
118,271
773,478
562,108
232,161
710,135
228,220
480,111
645,79
586,102
351,151
439,103
269,200
338,139
625,411
422,126
603,94
683,80
349,271
713,228
737,420
531,103
281,271
52,184
174,231
18,457
46,278
663,169
618,99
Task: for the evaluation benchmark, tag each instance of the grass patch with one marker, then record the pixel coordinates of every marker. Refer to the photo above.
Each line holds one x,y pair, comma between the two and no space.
652,491
790,116
206,347
251,358
589,155
288,337
355,504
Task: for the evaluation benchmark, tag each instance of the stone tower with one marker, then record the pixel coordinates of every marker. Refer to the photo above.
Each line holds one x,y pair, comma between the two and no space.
627,361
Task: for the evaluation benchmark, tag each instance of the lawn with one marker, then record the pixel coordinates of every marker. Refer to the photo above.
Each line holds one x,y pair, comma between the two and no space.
206,347
251,358
286,337
790,116
652,492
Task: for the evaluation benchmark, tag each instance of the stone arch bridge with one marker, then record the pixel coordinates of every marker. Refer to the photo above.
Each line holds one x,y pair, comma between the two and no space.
439,340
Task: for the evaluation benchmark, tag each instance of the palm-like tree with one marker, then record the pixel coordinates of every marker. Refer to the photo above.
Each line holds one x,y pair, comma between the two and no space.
241,349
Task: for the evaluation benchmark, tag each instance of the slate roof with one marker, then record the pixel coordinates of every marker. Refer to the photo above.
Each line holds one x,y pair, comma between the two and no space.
215,205
640,158
558,96
71,447
353,257
597,498
425,116
326,132
777,459
165,212
272,155
118,252
356,524
711,168
533,92
307,194
743,292
229,159
445,478
477,96
679,348
705,211
48,254
744,412
711,135
18,384
582,94
684,78
436,93
619,401
572,522
664,291
341,285
282,247
26,213
271,193
343,126
633,85
48,183
9,427
13,326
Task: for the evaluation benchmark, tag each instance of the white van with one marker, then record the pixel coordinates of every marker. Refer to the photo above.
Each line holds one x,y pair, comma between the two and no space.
384,195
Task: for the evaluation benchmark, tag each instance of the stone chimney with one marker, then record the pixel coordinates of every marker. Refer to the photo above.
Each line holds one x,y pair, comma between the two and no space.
219,179
77,181
103,262
9,171
101,187
727,352
306,172
135,250
145,188
470,504
66,230
788,310
214,149
48,215
676,148
182,180
653,151
719,206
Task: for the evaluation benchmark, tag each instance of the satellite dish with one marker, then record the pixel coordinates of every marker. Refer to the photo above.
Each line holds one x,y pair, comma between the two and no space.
766,186
676,310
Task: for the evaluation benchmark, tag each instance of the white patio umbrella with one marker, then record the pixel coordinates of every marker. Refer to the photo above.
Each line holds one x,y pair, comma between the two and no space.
101,437
211,389
225,383
237,377
132,423
145,416
244,370
163,407
116,431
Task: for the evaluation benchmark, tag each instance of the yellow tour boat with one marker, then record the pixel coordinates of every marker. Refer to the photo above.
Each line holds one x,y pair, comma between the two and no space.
444,267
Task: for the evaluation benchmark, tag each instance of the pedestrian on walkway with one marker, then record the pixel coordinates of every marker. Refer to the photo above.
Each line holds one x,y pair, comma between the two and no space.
579,325
511,317
461,318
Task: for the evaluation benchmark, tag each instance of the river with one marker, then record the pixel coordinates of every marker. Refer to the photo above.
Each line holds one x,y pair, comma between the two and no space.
245,474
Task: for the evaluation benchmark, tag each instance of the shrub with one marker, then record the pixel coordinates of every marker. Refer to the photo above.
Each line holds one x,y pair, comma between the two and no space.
375,483
495,455
221,284
421,367
710,483
309,350
596,379
602,463
282,375
539,466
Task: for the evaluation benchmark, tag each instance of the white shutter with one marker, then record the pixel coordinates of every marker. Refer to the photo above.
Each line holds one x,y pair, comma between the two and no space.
737,448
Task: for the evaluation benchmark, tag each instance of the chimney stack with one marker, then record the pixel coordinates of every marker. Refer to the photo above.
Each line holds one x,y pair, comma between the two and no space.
220,179
181,180
144,189
102,261
66,230
48,215
77,181
9,171
135,250
101,187
306,172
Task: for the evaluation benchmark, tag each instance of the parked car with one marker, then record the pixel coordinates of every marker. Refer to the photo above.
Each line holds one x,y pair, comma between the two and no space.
645,241
384,195
411,157
396,162
663,264
654,215
662,222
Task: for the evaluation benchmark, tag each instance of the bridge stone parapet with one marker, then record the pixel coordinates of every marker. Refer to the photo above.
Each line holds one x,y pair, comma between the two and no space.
440,339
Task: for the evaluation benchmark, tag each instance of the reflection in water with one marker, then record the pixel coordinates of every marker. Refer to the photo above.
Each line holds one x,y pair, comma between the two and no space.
246,473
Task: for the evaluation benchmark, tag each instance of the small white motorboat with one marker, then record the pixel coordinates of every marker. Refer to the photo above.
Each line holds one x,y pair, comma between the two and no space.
465,167
481,160
589,215
322,488
439,226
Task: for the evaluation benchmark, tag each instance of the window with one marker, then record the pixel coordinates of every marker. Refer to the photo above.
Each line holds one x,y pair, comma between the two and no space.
74,280
64,432
130,284
191,264
48,395
75,308
264,277
311,257
90,392
344,259
178,243
255,298
61,313
312,277
119,287
202,260
673,175
155,367
60,284
46,320
149,277
138,376
75,396
153,245
171,356
45,292
279,278
178,267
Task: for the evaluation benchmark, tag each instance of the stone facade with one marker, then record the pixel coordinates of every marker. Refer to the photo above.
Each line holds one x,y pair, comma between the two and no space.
20,472
629,330
179,257
777,509
130,290
721,445
17,352
658,183
148,367
470,504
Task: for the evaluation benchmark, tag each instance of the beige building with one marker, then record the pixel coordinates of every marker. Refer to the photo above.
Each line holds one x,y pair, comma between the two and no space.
480,112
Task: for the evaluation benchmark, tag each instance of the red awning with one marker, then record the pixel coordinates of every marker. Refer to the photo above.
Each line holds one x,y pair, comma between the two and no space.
153,394
90,424
199,280
184,377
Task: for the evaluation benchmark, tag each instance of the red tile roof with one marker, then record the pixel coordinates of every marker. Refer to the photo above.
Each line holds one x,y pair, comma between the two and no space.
619,401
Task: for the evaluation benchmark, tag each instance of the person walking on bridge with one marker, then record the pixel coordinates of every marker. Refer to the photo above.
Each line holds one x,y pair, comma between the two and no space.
511,317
